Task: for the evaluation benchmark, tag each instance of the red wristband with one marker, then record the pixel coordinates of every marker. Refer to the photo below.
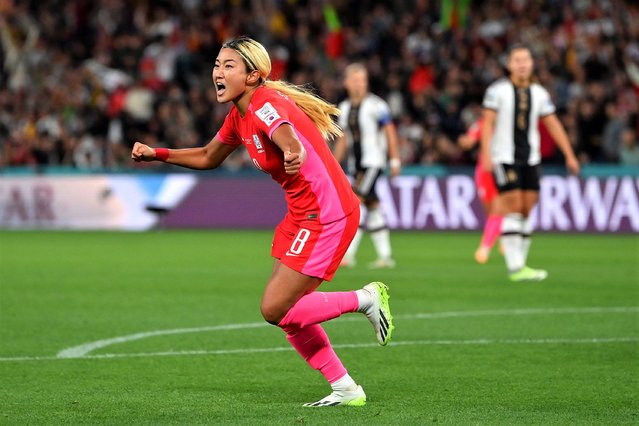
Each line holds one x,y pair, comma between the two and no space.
161,154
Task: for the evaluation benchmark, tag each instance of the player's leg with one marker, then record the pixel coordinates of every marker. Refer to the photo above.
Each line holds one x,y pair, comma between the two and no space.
380,235
530,186
508,181
511,229
376,221
349,259
291,302
514,227
530,200
488,194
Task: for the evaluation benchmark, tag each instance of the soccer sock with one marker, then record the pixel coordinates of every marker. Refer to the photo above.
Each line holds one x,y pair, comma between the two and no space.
346,383
313,345
526,234
379,233
492,230
319,306
511,228
352,248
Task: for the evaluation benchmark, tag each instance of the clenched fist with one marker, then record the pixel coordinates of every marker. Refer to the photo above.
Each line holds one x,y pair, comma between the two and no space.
142,152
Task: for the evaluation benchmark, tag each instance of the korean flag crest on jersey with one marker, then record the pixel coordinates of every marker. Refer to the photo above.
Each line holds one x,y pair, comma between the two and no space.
268,114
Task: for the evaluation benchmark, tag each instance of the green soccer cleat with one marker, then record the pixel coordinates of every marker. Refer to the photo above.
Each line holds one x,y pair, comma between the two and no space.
355,398
528,274
378,312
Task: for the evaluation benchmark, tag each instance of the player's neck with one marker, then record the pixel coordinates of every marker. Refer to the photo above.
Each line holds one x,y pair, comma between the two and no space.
357,99
243,101
521,82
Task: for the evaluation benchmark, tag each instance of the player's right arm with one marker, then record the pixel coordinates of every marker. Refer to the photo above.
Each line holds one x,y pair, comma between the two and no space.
201,158
487,129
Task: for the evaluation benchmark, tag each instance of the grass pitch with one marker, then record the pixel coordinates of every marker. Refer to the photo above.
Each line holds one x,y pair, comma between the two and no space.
164,328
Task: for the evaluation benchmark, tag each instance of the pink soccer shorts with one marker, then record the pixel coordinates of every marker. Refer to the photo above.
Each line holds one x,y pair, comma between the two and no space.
311,248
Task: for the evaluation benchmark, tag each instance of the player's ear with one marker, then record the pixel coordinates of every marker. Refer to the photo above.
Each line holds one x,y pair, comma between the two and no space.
253,77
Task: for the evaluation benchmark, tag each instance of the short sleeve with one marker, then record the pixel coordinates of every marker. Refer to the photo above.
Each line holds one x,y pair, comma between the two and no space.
271,114
227,134
491,98
383,113
547,107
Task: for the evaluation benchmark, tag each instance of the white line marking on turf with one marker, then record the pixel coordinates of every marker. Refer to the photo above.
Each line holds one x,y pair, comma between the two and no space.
83,351
556,341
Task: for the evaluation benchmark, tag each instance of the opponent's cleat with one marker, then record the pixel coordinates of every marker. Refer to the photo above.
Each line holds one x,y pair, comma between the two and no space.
482,254
355,398
378,312
382,264
528,274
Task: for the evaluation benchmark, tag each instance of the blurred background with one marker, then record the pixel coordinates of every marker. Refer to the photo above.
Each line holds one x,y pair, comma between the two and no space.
81,81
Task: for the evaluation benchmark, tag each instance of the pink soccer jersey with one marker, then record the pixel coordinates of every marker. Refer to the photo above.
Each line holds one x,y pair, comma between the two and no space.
320,190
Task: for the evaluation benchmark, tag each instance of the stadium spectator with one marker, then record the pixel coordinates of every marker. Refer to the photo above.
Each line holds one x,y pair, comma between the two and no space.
284,128
70,59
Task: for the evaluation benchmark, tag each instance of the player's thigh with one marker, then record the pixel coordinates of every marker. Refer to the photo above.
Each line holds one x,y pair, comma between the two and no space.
511,201
364,186
530,199
508,179
285,287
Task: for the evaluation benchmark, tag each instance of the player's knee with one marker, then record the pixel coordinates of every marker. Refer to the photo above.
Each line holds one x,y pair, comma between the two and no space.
272,313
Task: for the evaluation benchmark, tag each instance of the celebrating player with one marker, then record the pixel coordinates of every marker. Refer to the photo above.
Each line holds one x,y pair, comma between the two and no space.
487,192
510,149
370,132
284,128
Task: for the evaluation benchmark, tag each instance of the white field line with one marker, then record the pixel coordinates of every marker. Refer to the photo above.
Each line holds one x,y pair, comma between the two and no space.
83,351
556,341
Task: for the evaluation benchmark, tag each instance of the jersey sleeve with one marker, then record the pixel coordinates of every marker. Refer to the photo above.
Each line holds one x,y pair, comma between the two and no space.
271,113
383,113
491,98
547,106
227,133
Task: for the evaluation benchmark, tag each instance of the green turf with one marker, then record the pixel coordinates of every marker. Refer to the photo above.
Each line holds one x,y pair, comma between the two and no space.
469,348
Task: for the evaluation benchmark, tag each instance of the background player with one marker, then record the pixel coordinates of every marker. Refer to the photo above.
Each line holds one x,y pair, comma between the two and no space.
510,149
487,192
283,129
369,134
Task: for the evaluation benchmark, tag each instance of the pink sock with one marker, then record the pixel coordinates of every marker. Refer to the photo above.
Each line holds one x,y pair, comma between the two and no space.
317,307
492,229
312,344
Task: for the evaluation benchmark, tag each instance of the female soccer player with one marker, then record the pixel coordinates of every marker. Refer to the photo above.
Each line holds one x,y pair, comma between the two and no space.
510,148
488,195
284,128
370,137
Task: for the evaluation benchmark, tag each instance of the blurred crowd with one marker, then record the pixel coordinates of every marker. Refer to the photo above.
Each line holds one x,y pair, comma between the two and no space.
81,81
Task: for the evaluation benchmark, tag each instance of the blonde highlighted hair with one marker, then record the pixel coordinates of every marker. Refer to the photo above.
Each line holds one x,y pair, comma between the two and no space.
256,58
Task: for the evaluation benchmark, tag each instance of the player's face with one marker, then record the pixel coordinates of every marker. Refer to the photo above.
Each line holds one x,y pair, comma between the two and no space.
520,65
229,75
356,83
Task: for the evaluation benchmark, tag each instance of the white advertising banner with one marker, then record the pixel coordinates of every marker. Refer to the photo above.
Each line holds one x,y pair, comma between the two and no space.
87,202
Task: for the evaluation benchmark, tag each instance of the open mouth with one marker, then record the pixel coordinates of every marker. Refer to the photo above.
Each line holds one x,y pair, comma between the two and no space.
220,88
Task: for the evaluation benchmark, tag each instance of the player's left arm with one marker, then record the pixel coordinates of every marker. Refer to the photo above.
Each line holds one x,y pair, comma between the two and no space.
393,148
560,137
294,153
